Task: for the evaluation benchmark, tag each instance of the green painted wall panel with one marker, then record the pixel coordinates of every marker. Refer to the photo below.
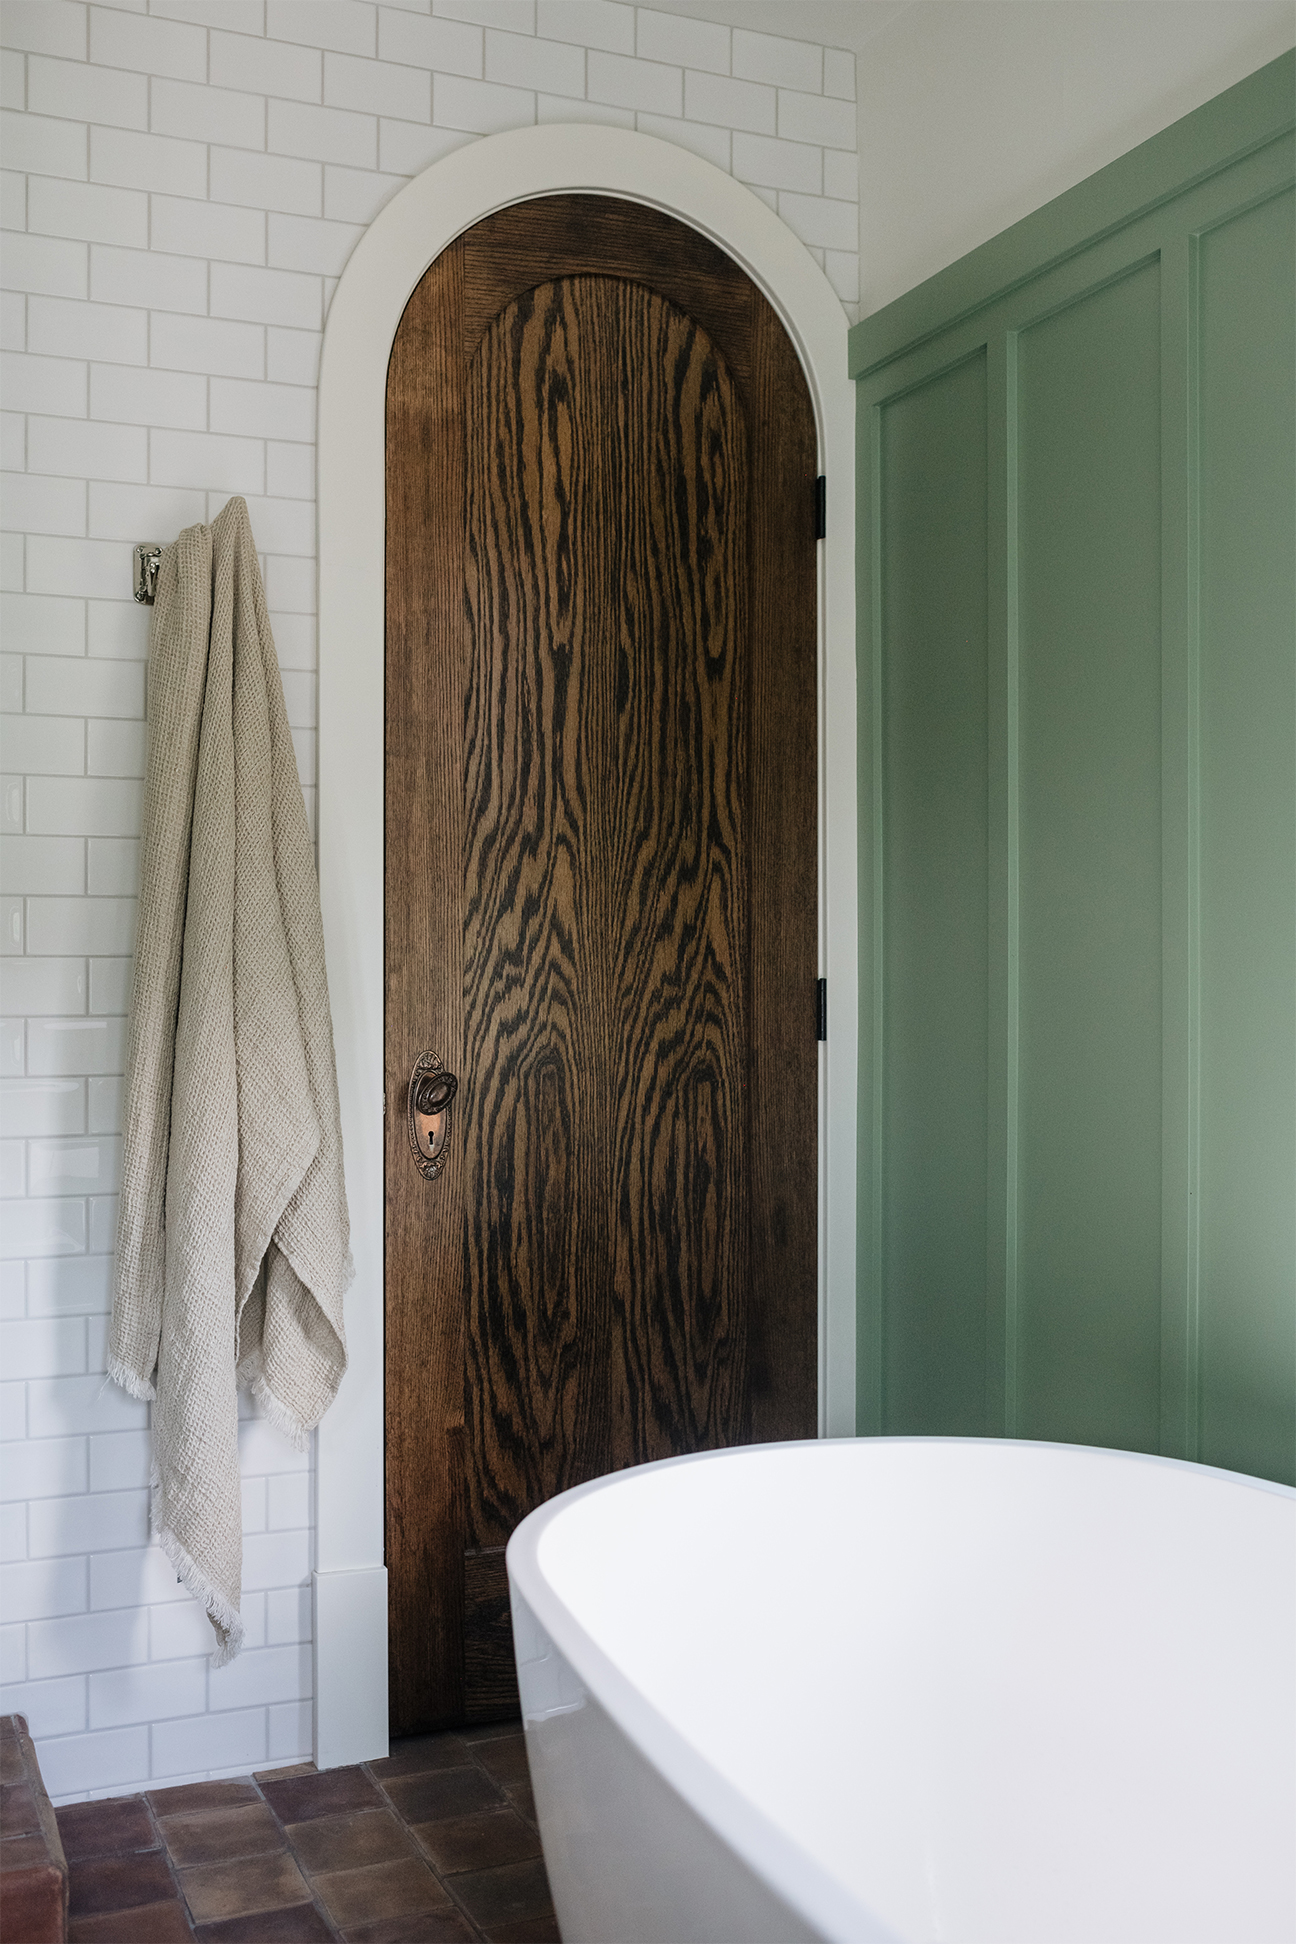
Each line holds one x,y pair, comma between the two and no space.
1089,763
934,852
1247,358
1077,497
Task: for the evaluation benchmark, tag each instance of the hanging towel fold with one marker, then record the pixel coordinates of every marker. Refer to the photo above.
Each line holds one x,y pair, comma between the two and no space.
232,1247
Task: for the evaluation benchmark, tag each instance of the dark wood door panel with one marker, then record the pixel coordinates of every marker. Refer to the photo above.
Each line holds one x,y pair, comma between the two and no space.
423,980
571,236
601,892
538,591
678,909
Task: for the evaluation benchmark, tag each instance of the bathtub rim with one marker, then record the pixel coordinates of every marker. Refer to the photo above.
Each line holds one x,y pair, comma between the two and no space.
789,1872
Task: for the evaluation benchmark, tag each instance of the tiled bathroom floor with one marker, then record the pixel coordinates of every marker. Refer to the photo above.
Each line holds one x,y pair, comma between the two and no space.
437,1843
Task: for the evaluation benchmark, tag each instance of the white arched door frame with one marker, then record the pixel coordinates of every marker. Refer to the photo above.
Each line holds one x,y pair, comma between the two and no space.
350,1585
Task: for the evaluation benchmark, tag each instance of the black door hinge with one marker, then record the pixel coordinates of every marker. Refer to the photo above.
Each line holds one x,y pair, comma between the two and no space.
821,1009
821,508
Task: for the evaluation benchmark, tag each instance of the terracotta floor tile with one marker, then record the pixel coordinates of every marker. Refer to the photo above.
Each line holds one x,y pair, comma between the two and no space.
383,1890
303,1797
416,1754
494,1897
429,1927
349,1842
480,1842
221,1834
285,1774
443,1793
522,1797
18,1815
106,1828
505,1760
158,1923
196,1798
215,1890
119,1882
23,1852
300,1925
527,1930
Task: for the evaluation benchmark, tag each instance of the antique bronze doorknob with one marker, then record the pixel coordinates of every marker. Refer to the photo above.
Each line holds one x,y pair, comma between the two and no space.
434,1092
431,1090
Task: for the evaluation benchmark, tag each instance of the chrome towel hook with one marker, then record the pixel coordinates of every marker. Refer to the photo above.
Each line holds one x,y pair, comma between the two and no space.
148,558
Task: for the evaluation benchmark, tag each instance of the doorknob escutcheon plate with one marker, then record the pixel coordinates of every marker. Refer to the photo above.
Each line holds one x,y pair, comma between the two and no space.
431,1090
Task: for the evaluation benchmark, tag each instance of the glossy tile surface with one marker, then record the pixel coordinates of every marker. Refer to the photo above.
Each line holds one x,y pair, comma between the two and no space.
435,1845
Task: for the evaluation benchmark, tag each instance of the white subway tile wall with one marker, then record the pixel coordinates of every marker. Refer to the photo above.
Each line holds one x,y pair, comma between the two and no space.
185,180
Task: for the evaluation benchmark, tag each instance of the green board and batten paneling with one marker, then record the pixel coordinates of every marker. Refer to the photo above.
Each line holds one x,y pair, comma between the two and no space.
1078,681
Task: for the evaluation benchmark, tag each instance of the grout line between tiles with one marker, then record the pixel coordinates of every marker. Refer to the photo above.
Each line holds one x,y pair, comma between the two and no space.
163,1845
316,1901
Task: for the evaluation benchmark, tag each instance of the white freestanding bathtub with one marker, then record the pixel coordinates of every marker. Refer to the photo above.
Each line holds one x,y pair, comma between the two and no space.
942,1691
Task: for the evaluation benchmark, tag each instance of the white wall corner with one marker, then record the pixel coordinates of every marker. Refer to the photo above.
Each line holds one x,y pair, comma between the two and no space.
350,1614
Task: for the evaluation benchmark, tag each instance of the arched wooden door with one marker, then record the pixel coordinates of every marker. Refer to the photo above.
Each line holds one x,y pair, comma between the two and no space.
600,897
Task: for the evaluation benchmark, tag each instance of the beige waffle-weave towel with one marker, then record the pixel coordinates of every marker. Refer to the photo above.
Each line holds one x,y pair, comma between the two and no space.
232,1245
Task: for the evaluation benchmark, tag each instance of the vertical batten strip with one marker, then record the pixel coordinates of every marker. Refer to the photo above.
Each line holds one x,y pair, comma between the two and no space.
1178,849
1001,1024
1247,772
870,1388
879,932
1012,994
1192,584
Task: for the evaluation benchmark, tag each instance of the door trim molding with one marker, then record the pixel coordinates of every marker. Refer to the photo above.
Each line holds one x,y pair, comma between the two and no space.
384,268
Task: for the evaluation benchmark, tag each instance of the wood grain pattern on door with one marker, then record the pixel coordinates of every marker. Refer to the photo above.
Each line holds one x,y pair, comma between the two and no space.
601,893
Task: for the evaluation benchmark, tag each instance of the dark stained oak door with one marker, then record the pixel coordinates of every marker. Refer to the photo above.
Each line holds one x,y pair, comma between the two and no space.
601,894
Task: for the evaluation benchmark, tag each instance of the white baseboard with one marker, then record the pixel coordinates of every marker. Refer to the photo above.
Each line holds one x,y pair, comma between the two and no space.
350,1666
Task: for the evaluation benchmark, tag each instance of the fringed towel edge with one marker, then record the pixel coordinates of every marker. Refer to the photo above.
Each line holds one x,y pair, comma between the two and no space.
273,1408
219,1610
249,1374
131,1381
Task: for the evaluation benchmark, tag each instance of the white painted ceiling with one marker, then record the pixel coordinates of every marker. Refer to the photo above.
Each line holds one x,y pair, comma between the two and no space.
834,23
854,23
